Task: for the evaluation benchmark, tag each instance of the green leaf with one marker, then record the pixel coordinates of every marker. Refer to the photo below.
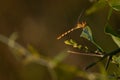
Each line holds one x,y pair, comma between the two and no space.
109,30
67,42
116,59
72,43
87,34
113,34
115,65
116,40
96,6
115,4
109,13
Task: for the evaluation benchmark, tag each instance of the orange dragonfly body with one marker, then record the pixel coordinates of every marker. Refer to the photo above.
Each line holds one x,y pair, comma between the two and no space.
79,25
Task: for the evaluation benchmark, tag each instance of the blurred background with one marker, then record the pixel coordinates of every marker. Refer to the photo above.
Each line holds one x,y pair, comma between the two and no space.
39,23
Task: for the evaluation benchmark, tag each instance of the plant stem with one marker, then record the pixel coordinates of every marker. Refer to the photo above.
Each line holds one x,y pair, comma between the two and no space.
108,62
114,52
87,54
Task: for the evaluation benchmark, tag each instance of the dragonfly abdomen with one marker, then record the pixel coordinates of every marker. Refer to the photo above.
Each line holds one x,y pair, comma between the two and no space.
64,34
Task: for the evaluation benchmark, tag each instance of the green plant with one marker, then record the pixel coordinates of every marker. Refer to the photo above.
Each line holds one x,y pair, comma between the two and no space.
35,66
112,57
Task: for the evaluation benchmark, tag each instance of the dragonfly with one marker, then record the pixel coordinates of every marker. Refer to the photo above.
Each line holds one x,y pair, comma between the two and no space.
79,25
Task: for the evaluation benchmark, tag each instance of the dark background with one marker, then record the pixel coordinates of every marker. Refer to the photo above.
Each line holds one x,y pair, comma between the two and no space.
40,22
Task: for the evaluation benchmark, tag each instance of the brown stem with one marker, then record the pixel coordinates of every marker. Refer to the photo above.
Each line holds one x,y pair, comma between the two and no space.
87,54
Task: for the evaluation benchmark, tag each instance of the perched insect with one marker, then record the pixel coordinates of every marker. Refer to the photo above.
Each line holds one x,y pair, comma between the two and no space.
79,25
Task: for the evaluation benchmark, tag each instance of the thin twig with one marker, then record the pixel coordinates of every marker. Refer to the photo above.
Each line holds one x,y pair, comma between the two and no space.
87,54
108,62
114,52
28,54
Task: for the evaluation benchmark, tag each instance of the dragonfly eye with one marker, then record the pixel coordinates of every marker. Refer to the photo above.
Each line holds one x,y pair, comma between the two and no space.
83,24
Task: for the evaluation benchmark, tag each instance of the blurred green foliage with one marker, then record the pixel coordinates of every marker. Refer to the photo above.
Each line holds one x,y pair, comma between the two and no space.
32,65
